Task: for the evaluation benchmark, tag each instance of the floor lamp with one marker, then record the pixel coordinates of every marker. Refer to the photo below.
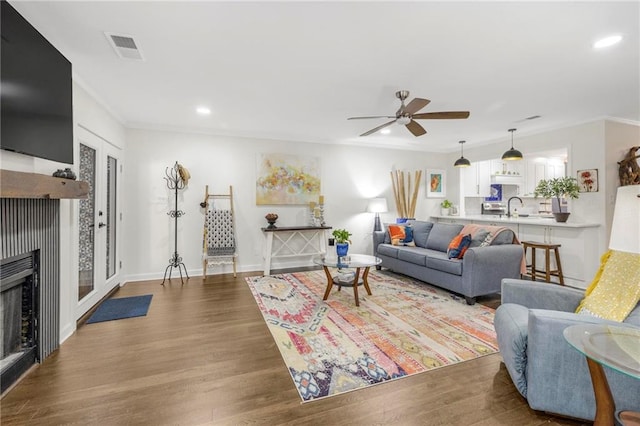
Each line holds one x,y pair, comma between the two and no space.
377,206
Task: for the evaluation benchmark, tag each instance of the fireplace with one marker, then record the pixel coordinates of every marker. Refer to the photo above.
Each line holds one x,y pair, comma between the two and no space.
19,313
30,283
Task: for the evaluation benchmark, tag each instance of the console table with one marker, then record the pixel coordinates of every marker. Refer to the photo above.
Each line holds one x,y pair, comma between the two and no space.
293,241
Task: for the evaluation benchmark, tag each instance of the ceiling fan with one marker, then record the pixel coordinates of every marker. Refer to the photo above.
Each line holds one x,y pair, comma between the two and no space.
406,115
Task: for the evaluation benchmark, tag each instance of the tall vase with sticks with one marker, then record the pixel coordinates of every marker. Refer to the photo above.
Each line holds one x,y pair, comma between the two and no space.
176,178
402,191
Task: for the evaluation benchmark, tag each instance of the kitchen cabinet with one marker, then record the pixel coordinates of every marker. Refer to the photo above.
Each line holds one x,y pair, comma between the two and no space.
477,179
536,170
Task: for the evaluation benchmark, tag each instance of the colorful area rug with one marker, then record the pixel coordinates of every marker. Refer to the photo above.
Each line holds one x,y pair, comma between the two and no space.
406,327
120,308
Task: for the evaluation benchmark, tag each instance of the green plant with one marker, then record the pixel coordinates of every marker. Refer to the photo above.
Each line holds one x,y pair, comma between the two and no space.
446,204
341,235
558,188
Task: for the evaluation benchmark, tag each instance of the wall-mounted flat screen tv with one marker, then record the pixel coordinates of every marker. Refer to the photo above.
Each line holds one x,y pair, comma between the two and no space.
36,92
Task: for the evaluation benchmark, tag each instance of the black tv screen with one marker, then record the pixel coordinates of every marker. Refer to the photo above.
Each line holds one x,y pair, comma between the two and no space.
36,105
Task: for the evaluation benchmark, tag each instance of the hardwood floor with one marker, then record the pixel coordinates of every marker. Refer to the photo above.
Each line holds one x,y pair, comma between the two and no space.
203,355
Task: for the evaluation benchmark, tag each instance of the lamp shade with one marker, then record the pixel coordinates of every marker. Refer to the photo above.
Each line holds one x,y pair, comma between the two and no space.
625,230
462,162
377,205
512,154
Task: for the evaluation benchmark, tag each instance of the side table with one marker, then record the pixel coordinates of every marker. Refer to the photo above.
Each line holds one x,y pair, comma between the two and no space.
616,347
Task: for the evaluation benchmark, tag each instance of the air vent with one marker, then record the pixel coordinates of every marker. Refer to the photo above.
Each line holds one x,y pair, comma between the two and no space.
124,46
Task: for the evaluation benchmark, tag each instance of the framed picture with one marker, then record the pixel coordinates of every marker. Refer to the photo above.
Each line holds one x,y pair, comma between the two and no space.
287,179
436,183
588,180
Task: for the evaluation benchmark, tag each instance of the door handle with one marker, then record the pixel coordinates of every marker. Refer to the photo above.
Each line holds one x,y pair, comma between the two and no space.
101,225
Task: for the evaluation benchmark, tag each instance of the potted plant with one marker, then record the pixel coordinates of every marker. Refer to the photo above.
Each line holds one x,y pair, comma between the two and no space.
445,207
342,241
558,188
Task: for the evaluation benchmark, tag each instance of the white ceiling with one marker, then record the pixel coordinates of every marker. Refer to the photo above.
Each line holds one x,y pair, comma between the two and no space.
297,70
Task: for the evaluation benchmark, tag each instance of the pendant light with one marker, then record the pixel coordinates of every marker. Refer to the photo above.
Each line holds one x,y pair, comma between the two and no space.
461,162
512,154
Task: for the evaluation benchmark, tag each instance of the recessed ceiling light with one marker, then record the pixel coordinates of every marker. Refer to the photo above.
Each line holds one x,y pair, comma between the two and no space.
607,41
203,110
385,131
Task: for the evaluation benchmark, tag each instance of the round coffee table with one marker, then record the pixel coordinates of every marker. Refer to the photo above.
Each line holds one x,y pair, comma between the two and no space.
618,348
357,261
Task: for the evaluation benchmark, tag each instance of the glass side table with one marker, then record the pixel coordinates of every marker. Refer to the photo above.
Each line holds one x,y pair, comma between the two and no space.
352,261
616,347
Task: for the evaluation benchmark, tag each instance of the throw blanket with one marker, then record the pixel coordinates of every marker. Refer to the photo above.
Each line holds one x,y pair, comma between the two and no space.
220,233
494,231
615,290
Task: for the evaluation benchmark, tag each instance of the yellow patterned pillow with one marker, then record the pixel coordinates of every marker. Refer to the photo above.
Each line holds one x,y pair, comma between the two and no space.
615,290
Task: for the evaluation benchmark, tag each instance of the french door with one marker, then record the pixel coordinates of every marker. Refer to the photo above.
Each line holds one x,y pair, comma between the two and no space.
99,220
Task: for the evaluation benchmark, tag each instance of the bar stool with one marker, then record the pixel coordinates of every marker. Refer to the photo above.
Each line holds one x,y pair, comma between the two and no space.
547,272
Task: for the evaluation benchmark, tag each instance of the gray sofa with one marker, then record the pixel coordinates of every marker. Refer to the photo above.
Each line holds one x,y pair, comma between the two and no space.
546,370
478,273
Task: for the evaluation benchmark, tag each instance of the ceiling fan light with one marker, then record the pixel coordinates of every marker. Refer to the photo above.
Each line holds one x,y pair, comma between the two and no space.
462,162
403,120
512,154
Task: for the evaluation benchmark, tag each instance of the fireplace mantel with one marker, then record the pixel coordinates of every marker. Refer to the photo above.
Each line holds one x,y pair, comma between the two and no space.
33,185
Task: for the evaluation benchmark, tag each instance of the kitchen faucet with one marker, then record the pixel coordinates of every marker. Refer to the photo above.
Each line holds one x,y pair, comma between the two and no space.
509,205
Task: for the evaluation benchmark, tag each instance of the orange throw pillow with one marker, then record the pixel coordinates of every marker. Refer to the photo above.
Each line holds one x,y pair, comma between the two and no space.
458,246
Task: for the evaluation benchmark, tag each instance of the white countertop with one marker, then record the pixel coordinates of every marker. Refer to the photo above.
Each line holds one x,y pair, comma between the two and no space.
530,220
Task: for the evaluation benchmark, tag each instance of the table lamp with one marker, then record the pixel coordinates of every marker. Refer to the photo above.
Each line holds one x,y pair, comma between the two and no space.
377,206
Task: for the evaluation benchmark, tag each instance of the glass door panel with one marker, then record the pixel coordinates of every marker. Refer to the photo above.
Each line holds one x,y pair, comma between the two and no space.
111,219
87,173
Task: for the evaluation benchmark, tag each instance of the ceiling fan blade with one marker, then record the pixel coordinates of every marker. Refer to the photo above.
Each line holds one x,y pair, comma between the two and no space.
416,129
416,105
373,116
378,128
441,115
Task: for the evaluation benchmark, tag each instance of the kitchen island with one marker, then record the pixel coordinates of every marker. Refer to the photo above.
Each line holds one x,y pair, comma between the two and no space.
579,252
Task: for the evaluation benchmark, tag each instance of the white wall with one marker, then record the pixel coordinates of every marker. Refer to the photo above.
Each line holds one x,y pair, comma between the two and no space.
350,176
619,138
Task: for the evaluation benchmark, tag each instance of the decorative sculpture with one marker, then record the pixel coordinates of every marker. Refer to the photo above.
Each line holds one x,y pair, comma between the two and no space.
629,170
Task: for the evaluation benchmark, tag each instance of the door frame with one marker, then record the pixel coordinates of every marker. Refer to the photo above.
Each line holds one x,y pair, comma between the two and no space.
102,285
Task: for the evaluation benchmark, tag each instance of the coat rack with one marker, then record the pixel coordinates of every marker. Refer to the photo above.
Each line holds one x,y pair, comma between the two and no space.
177,178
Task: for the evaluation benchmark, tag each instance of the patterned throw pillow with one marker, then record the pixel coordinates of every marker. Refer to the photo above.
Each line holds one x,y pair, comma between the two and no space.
401,235
458,246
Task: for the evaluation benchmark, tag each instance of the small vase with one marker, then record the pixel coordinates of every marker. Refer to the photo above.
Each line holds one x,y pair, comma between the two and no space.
444,211
342,249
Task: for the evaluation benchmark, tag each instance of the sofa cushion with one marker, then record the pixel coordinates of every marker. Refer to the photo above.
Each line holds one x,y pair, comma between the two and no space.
458,246
503,237
413,255
511,322
388,250
441,235
478,238
441,262
421,232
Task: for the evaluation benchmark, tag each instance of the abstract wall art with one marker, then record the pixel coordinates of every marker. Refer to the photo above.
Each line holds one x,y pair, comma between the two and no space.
287,179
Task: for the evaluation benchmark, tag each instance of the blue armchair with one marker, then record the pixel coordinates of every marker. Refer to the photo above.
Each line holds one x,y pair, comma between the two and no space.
545,369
